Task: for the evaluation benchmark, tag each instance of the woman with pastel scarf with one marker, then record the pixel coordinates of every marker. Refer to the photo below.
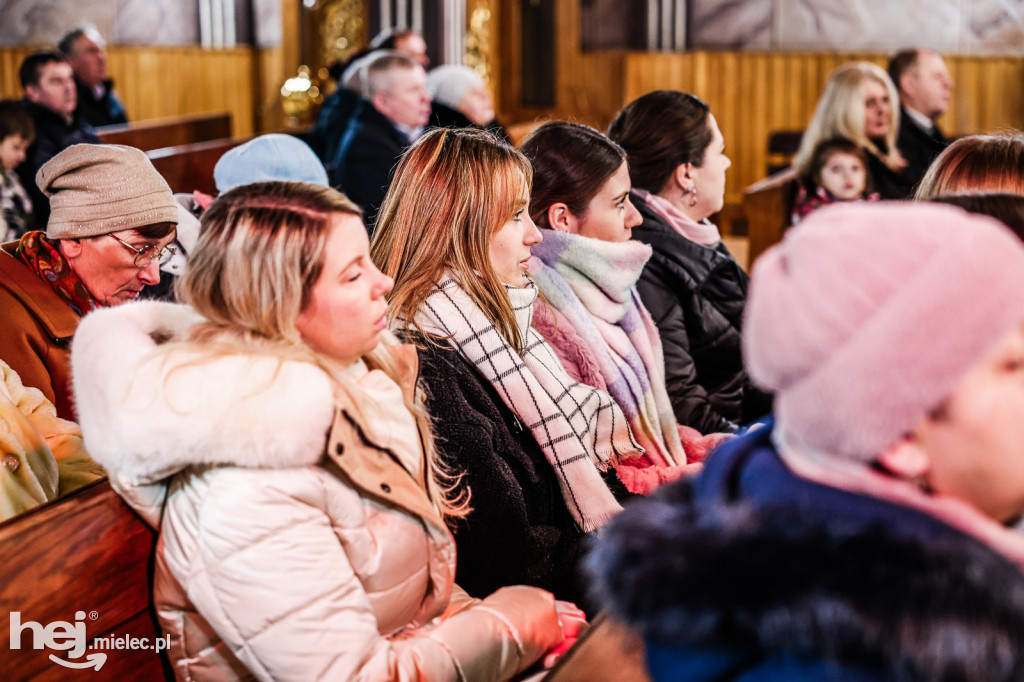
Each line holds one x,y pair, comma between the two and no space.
587,269
534,446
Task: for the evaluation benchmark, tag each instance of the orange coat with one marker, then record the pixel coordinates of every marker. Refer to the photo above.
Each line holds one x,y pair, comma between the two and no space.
35,336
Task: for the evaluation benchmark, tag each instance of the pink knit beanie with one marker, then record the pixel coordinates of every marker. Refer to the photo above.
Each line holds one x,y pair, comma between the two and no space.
866,316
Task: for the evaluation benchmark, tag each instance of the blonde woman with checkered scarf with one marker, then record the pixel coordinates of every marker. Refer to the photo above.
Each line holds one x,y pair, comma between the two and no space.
535,445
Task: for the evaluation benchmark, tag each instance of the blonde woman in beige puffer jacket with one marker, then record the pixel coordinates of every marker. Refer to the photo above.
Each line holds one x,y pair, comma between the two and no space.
301,518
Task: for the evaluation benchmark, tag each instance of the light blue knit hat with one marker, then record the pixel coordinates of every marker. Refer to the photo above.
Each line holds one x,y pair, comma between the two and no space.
269,157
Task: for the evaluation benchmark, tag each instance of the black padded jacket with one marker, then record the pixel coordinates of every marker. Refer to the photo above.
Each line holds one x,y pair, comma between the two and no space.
696,295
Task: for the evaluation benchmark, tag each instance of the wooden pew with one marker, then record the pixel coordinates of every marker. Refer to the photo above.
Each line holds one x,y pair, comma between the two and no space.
607,652
168,132
87,552
767,206
189,167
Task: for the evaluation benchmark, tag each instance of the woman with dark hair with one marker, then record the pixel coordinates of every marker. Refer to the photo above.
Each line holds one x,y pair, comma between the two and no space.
587,268
692,286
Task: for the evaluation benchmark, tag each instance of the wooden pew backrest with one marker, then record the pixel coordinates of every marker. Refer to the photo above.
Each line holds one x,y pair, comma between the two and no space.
782,147
168,132
87,552
189,167
767,206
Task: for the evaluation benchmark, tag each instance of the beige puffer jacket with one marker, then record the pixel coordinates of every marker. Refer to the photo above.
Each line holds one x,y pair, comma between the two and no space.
275,560
41,455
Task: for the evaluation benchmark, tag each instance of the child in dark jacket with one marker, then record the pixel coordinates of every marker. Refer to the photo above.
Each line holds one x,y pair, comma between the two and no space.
869,532
838,172
16,134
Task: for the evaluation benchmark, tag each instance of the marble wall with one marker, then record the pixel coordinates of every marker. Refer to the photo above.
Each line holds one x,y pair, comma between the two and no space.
949,26
123,22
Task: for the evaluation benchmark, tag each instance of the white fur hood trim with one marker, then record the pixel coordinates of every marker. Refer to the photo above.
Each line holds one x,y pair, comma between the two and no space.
146,415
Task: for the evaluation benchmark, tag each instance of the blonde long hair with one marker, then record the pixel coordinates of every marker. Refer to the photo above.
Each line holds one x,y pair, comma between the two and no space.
840,113
260,251
452,191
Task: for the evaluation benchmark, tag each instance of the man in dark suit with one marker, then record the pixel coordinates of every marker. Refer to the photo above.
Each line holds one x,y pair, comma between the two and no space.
339,107
393,115
924,87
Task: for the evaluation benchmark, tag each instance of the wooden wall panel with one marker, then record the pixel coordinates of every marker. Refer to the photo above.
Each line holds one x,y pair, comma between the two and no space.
270,75
157,82
751,93
10,60
588,85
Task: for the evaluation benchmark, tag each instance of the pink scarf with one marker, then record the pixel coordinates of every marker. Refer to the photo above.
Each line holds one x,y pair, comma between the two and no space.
704,233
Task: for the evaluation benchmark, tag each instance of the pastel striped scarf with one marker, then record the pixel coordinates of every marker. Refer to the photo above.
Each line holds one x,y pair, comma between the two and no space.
592,284
580,429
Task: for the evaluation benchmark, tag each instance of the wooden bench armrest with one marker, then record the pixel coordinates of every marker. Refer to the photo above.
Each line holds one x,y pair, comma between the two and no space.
84,552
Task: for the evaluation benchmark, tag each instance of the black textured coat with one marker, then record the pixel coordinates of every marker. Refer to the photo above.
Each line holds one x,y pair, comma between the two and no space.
331,123
443,116
749,573
368,153
520,531
696,295
888,183
99,111
918,147
53,135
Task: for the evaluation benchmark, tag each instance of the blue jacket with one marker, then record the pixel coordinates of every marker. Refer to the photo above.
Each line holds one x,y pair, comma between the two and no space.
750,573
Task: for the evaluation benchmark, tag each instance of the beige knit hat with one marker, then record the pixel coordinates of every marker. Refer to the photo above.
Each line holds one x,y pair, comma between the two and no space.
96,189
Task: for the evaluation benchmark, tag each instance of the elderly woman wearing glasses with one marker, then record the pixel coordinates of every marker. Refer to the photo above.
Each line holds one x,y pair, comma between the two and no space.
112,219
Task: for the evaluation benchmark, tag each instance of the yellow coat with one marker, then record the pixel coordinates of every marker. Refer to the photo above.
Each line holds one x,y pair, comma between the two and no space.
41,455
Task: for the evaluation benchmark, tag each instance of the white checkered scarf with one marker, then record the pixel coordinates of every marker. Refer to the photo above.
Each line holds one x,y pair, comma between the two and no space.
580,429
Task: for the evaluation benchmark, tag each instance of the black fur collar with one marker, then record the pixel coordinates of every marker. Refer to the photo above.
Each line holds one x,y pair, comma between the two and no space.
773,584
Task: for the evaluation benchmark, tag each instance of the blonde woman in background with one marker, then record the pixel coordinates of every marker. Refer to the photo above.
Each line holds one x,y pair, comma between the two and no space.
860,103
269,429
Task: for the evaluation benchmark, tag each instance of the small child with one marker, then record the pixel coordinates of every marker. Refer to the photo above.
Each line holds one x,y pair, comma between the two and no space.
16,134
838,172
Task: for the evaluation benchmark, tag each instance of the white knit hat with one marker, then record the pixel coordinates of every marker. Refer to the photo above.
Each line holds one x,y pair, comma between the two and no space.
448,84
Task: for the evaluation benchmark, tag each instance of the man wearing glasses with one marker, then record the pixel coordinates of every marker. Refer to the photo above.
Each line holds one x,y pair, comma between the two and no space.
112,220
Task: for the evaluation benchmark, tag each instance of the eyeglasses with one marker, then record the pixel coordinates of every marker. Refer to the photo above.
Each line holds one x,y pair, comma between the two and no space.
147,254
